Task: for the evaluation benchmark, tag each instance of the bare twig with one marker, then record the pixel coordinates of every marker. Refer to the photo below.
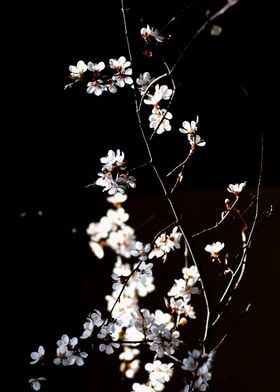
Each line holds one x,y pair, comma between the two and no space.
242,315
219,222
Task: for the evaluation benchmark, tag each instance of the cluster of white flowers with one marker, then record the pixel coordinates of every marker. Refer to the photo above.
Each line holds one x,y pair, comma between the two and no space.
199,365
159,374
165,243
120,69
67,353
114,176
93,320
190,129
159,119
113,232
181,293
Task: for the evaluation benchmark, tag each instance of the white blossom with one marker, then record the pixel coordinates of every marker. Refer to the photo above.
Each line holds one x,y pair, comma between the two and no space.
236,189
97,249
159,374
191,275
159,120
117,198
191,362
182,307
35,383
141,251
144,272
162,340
96,67
190,129
96,87
143,82
200,366
37,356
165,243
119,281
161,92
123,73
149,32
112,160
136,387
93,320
77,358
77,71
108,344
214,248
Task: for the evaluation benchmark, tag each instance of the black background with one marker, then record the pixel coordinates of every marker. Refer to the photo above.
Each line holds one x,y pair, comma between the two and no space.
52,141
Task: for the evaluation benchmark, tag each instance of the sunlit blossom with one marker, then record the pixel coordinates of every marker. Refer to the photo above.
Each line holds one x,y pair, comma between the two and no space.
215,248
77,71
159,120
148,33
236,189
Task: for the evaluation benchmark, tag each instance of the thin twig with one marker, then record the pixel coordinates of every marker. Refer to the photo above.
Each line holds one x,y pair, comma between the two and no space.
219,222
180,164
232,327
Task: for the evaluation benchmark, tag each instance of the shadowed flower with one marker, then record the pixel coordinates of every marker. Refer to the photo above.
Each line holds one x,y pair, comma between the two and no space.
35,383
37,356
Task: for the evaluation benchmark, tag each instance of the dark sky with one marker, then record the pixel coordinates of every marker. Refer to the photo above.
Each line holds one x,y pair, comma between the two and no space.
56,137
53,139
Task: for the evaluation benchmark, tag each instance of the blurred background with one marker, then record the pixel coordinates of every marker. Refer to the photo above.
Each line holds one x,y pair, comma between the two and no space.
52,144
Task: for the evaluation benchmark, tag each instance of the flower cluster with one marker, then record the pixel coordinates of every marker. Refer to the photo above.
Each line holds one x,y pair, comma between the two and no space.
67,354
199,366
190,129
100,82
165,243
181,292
114,176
